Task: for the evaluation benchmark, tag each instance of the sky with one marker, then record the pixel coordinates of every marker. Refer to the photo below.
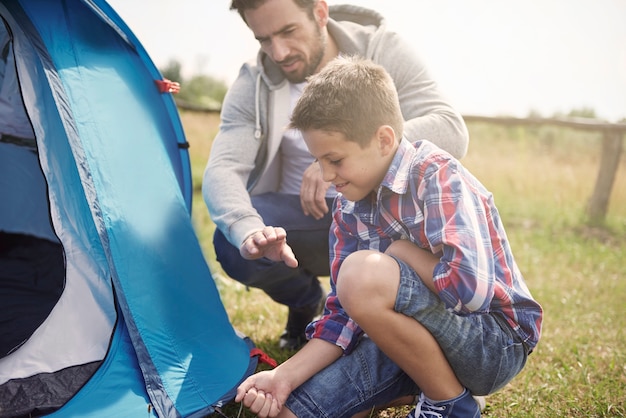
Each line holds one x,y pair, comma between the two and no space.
489,57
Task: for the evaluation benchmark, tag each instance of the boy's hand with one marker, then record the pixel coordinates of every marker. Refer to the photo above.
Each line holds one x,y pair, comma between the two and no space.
270,242
313,192
263,393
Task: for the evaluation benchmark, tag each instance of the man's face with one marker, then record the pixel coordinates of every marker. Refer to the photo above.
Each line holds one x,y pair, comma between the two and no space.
290,37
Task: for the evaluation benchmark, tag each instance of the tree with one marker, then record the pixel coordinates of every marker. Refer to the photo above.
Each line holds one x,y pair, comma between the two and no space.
202,91
583,112
172,71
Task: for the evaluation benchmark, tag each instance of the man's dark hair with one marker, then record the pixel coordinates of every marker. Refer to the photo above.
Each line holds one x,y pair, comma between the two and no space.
242,5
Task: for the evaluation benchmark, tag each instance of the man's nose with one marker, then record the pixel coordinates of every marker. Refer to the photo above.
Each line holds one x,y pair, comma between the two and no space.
280,50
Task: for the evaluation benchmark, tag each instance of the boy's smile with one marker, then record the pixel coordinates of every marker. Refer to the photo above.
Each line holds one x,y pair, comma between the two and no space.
354,171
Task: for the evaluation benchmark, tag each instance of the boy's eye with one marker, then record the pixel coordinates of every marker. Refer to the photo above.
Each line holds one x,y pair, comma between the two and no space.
335,162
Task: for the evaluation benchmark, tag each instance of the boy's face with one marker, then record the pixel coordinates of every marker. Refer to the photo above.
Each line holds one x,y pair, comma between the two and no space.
354,171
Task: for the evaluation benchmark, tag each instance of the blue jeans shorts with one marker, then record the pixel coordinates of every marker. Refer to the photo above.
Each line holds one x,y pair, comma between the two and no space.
482,349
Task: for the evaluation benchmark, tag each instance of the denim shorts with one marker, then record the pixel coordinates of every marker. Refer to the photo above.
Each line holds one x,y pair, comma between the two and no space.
482,349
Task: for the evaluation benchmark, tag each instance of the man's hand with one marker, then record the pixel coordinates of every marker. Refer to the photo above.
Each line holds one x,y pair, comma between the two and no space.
313,192
270,242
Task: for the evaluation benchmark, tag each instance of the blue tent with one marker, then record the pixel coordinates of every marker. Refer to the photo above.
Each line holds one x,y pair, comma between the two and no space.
133,325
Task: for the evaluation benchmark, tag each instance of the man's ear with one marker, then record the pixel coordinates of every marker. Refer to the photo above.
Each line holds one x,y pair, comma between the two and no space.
386,138
320,11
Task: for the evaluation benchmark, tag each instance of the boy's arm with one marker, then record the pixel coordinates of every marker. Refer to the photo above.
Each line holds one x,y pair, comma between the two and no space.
420,260
265,393
335,326
461,226
312,358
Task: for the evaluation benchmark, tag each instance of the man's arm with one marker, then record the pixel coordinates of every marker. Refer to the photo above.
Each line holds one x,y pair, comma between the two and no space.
427,113
232,159
270,242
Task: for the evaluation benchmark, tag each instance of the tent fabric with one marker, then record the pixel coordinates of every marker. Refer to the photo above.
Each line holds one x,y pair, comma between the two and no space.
31,283
138,299
51,390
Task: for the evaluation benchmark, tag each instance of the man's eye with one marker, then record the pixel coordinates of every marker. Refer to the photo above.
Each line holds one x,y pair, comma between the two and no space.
288,31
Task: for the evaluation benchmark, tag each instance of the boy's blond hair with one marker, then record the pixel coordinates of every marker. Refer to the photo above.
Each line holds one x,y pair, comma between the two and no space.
352,96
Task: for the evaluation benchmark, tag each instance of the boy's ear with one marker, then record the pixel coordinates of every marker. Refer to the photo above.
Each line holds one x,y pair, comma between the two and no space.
386,138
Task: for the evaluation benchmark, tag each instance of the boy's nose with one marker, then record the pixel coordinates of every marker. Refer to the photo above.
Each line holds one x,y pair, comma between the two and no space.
327,174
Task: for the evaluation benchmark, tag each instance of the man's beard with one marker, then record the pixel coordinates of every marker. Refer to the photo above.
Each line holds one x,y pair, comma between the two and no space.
311,66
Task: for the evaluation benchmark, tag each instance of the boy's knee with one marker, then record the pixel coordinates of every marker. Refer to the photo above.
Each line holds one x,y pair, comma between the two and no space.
354,268
359,277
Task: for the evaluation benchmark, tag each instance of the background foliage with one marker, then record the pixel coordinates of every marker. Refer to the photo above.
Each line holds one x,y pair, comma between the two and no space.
198,91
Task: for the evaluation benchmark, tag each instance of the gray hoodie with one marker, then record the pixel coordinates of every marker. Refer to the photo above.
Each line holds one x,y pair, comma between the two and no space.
244,159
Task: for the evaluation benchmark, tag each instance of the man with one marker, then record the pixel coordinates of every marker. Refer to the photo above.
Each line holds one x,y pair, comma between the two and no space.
261,185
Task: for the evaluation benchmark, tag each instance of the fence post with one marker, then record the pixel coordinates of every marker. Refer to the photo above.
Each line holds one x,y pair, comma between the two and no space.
609,162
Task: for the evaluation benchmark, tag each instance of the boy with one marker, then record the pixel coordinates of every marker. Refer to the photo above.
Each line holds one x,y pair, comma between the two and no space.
425,296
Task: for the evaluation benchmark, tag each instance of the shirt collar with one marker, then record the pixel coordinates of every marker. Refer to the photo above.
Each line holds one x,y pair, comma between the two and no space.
396,178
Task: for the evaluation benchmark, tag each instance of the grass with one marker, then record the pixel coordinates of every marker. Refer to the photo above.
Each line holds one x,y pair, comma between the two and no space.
541,179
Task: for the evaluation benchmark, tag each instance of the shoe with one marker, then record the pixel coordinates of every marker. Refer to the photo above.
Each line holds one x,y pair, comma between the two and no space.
293,338
463,406
481,401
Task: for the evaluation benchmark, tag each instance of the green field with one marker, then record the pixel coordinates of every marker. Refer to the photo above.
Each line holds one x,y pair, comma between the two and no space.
542,179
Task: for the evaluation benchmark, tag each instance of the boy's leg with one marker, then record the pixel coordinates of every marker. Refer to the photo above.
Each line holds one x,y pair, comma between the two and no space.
367,378
360,382
375,278
483,352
